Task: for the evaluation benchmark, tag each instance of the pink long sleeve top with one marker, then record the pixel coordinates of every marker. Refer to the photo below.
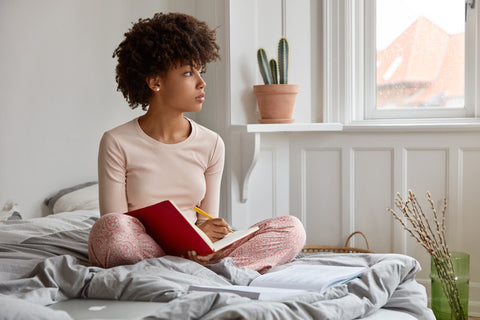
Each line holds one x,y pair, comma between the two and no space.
135,170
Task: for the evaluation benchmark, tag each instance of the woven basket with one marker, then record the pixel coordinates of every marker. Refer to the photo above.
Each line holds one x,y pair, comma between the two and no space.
344,249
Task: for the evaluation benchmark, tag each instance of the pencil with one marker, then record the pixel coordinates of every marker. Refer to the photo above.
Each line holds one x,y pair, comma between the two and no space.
203,213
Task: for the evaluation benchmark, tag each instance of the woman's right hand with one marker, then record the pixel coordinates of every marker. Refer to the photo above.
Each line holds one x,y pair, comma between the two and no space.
215,229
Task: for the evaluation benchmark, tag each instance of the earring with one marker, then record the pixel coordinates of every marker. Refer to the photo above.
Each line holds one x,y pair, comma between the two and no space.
157,89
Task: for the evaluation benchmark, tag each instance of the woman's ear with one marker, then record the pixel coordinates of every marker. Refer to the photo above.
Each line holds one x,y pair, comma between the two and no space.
154,83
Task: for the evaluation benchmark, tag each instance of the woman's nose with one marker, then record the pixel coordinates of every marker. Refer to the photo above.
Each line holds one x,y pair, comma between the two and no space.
201,83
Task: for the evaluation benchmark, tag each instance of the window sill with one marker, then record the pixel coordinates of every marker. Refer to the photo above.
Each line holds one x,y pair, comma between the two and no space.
294,127
414,125
394,125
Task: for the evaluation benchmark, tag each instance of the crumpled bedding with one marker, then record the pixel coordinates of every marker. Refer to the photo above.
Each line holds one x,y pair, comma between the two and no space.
50,274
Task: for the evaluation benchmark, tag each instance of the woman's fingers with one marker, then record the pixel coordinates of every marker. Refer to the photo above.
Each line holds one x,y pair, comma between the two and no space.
215,229
219,223
203,260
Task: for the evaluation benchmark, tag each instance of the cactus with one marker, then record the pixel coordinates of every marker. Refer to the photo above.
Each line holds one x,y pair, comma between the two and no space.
283,60
271,73
263,65
274,71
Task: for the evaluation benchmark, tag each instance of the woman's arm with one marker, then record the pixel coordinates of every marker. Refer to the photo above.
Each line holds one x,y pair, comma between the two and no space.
216,228
111,176
213,179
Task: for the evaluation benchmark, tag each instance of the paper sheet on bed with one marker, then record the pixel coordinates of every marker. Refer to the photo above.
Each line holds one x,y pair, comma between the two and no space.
257,293
293,280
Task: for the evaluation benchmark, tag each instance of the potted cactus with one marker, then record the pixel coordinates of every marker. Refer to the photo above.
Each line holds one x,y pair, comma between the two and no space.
276,98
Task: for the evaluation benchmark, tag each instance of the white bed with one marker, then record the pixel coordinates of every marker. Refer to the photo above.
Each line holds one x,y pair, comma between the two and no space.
44,273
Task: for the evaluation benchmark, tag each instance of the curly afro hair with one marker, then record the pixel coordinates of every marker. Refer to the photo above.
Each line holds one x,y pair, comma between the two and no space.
155,45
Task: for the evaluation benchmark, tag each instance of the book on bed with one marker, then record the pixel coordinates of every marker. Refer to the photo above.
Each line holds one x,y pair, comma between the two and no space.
166,224
295,279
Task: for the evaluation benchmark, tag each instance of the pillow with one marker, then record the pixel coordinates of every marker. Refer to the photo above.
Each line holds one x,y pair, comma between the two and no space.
80,197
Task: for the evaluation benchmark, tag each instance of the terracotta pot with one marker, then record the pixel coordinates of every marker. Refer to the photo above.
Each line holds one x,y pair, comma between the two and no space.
276,102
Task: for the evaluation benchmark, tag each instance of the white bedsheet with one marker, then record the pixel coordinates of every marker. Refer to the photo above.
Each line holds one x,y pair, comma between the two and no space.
135,310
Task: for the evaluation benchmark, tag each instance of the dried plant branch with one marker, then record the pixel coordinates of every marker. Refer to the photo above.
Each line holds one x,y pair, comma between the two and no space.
414,220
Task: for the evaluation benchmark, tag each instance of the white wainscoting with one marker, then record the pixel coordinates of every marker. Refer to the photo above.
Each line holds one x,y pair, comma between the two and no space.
339,182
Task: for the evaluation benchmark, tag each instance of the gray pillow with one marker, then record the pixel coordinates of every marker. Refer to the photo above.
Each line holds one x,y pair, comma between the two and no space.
50,202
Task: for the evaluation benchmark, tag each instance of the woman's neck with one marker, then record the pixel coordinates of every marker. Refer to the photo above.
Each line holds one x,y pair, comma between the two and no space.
166,128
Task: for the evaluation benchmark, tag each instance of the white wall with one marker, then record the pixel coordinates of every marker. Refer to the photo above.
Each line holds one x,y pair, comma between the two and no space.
58,92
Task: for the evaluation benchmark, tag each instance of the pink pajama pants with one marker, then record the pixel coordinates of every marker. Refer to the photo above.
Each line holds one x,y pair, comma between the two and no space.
119,239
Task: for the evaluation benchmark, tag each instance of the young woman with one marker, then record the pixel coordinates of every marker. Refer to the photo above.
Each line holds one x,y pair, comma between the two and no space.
163,155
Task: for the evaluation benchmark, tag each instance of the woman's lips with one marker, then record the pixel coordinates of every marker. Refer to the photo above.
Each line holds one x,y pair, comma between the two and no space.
200,98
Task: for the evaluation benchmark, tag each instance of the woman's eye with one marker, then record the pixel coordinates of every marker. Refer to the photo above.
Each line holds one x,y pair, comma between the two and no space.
187,74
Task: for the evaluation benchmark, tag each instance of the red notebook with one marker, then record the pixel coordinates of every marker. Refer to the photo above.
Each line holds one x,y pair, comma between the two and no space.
166,224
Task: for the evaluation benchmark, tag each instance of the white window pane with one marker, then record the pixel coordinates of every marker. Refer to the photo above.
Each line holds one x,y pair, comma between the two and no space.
420,59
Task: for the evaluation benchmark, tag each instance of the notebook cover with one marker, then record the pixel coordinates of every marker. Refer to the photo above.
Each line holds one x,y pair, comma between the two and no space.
170,229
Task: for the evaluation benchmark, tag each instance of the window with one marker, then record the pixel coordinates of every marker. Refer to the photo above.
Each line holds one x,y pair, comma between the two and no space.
418,69
390,59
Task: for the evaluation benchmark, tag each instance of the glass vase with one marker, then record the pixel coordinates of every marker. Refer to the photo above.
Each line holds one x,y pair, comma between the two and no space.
440,303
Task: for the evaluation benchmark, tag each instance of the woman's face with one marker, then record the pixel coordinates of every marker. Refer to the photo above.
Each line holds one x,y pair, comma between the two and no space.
181,89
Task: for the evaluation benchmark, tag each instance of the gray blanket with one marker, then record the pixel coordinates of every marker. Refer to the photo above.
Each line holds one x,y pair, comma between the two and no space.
55,268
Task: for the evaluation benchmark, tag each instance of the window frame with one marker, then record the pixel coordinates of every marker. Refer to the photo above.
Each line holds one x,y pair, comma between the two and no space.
350,68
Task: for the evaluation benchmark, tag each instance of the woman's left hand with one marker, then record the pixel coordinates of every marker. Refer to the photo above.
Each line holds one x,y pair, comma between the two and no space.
203,260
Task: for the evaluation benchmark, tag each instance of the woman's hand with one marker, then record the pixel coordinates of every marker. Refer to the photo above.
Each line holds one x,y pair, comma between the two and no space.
203,260
215,229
